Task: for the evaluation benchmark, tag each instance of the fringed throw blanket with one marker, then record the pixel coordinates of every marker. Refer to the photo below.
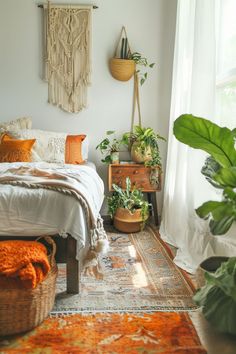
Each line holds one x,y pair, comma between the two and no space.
74,184
68,55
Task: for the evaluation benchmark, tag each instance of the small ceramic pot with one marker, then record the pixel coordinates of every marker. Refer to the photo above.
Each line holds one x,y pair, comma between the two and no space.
115,157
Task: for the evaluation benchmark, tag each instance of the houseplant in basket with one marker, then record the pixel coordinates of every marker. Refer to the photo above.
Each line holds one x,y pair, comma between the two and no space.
123,64
143,143
110,146
218,296
128,208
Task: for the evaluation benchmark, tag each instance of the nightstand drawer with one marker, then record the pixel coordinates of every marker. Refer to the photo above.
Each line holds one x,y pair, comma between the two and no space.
141,177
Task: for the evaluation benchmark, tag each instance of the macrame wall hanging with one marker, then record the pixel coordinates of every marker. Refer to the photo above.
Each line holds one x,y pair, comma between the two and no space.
68,55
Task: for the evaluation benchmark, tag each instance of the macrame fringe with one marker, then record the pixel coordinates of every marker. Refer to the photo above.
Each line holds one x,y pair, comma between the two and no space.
68,56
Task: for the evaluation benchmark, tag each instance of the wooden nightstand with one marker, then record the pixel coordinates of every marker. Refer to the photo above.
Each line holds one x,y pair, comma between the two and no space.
141,177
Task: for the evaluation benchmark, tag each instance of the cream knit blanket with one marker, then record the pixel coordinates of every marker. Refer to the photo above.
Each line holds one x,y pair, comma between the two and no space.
73,185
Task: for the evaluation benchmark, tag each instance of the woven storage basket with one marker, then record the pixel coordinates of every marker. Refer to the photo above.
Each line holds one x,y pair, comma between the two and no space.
122,69
23,309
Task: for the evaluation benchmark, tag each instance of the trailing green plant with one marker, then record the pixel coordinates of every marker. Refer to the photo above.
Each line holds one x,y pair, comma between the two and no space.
108,146
130,199
218,297
141,61
219,168
145,137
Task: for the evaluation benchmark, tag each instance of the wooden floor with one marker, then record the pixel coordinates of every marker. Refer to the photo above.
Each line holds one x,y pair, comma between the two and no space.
214,342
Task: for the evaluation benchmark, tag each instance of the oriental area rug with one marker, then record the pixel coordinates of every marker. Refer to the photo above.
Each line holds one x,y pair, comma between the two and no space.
138,276
159,332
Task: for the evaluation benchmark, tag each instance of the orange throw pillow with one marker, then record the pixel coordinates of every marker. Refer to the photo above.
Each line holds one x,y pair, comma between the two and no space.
12,150
73,151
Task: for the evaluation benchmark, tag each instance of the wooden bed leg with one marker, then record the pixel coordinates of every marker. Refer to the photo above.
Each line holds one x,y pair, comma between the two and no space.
72,267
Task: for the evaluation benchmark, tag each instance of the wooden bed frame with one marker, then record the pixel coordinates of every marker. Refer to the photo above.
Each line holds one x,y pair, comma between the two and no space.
66,253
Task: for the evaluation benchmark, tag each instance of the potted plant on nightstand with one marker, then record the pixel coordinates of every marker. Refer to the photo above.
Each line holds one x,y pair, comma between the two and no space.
110,147
128,208
144,145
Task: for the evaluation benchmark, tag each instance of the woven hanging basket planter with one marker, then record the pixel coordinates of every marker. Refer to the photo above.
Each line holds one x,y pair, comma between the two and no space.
122,69
24,309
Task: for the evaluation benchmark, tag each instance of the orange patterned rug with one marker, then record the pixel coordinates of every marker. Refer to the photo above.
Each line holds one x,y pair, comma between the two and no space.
139,276
160,332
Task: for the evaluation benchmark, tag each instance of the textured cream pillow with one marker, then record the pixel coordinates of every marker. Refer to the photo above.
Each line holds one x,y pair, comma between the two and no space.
19,123
49,146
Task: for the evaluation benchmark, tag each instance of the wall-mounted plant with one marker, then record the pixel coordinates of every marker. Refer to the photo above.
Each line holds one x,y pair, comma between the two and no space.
123,64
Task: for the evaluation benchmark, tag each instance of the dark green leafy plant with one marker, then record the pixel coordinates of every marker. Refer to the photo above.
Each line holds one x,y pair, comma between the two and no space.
130,199
218,297
108,146
142,61
219,168
145,137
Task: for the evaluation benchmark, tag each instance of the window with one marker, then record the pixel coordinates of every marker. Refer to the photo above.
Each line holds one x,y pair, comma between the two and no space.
226,64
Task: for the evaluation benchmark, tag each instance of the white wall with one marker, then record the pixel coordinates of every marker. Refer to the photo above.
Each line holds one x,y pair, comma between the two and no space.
150,25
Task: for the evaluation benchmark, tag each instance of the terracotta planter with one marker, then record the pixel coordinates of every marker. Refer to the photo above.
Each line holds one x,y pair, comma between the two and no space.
122,69
138,156
124,221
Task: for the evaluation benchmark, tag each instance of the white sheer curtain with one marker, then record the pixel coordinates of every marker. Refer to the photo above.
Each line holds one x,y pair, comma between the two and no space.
193,91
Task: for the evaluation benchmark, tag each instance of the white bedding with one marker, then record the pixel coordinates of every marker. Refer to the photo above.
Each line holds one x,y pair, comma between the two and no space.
34,212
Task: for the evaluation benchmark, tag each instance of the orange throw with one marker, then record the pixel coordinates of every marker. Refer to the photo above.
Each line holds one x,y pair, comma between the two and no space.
22,264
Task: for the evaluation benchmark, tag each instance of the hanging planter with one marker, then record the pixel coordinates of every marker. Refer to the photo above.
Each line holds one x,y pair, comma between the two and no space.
121,67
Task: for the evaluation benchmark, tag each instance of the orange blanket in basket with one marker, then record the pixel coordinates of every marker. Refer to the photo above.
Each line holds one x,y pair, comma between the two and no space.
22,264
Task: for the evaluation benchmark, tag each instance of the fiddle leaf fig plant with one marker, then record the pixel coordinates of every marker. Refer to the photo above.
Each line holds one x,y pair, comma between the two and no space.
219,168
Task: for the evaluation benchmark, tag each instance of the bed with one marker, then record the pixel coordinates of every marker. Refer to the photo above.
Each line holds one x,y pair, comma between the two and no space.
29,207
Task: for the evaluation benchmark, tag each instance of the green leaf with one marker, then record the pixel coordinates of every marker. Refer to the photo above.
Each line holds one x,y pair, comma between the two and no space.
200,133
142,81
220,227
152,65
218,297
207,208
107,159
226,177
109,132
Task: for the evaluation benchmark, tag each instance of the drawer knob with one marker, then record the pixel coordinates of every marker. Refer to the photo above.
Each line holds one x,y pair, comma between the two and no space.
135,172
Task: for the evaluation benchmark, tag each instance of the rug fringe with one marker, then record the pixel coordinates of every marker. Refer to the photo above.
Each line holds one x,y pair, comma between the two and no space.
123,311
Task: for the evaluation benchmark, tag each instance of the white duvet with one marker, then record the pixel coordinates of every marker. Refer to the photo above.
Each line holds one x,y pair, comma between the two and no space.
35,212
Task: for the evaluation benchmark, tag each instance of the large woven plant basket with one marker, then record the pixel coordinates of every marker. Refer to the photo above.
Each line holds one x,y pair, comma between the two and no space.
23,309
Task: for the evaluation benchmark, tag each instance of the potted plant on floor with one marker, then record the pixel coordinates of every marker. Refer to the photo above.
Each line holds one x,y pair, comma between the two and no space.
218,296
128,208
110,147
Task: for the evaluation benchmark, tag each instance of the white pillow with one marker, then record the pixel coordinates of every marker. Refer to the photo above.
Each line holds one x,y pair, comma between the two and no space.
19,123
49,146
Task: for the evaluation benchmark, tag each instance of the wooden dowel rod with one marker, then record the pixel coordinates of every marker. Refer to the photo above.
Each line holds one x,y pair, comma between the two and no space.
94,6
